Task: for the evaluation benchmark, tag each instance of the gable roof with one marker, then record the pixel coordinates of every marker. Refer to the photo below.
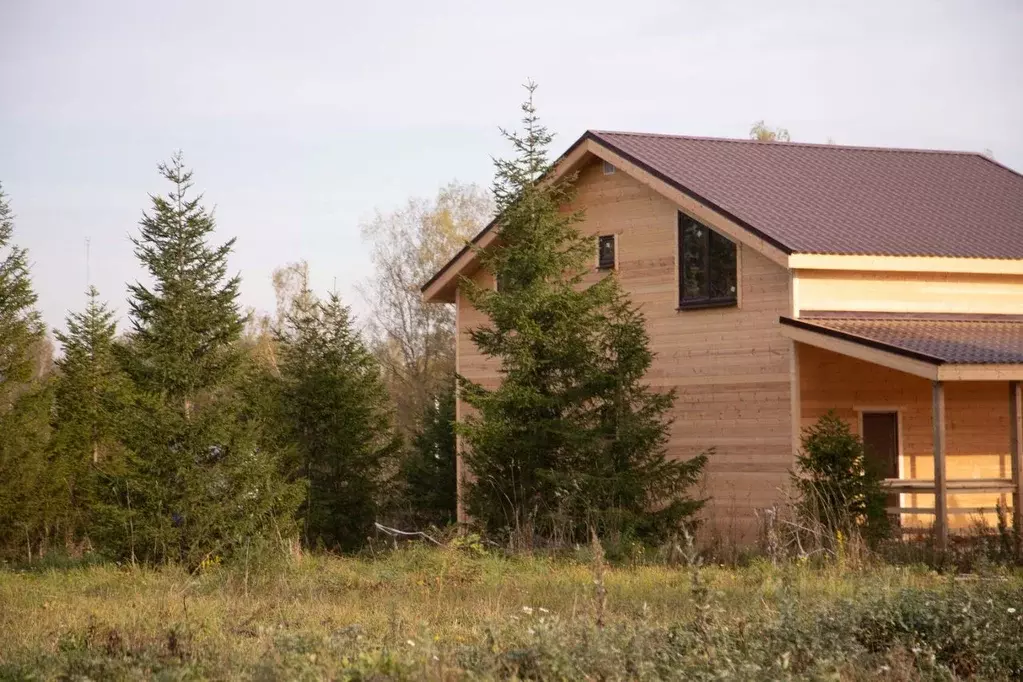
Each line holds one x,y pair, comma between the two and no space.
832,199
799,198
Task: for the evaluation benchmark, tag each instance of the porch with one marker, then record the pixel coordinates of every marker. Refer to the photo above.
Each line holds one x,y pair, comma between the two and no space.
938,395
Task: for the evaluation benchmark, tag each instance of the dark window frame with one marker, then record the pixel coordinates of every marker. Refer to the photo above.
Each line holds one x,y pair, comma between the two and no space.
695,303
601,263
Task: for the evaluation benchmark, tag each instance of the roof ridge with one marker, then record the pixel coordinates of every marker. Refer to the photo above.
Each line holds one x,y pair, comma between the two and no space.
818,145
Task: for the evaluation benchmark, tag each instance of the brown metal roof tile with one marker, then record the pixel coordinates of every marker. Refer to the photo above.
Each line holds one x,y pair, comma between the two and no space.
831,199
955,339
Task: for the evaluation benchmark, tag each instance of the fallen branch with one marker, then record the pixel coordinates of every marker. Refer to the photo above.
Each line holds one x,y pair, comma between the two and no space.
394,532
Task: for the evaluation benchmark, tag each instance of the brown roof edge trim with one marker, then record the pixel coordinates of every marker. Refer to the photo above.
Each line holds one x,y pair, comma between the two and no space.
891,316
860,340
999,164
590,135
461,252
475,240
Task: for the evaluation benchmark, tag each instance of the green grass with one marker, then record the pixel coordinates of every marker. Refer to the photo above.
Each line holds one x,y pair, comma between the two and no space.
444,614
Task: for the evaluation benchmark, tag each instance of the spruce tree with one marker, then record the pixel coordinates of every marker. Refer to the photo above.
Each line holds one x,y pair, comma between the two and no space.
21,329
428,469
25,399
628,486
91,398
199,481
30,494
335,409
571,438
186,327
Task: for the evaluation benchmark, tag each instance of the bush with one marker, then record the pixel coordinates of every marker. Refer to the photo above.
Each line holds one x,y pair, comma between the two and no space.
836,486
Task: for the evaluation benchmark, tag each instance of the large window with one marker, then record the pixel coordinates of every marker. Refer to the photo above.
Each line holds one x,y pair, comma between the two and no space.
707,271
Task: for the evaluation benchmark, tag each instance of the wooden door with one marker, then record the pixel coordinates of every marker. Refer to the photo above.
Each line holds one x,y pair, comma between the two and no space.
881,446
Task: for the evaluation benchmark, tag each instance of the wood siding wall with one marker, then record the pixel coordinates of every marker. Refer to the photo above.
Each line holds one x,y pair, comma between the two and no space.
977,421
916,292
731,366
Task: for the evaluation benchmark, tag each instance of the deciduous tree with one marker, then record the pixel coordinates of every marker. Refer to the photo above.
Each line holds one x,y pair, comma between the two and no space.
760,131
414,340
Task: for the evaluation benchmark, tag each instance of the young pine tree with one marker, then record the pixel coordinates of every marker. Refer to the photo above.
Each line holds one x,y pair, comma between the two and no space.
334,407
200,482
571,437
26,486
91,398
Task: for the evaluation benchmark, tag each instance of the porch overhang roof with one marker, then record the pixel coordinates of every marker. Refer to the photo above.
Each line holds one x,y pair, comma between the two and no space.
934,346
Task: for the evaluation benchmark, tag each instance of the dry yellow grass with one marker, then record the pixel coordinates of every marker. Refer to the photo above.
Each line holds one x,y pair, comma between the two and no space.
412,609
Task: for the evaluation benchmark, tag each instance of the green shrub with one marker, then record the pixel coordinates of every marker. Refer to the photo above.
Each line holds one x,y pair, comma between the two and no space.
837,488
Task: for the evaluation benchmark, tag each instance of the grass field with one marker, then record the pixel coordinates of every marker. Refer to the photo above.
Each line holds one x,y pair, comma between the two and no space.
447,614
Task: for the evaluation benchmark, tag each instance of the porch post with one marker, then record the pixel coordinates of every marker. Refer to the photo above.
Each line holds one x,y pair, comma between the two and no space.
940,487
1016,452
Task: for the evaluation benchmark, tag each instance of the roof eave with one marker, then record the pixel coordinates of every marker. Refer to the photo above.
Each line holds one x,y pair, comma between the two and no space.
872,263
894,357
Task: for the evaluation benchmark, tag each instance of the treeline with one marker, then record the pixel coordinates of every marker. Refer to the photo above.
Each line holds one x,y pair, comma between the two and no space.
201,432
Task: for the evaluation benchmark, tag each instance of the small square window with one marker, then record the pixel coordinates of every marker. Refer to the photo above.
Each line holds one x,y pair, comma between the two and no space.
609,168
606,252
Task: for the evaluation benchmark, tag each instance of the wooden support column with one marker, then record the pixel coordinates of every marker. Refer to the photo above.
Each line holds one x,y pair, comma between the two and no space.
1016,452
940,479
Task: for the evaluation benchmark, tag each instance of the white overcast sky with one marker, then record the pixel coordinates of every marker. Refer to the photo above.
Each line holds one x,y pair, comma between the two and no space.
302,118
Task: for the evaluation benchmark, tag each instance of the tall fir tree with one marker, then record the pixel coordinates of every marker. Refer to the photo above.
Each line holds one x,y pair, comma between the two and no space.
336,410
25,400
186,327
200,481
91,398
572,438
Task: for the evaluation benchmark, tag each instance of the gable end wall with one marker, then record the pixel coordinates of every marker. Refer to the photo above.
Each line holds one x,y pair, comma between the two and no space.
731,366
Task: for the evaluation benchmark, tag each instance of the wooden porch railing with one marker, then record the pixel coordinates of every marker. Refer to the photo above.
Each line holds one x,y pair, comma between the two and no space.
966,485
940,487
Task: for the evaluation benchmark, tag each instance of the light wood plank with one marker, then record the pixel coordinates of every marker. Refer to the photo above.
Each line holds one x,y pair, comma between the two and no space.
1016,452
940,487
910,292
813,261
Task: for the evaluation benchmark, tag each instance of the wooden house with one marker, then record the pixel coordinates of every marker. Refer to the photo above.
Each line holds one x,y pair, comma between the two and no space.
782,280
